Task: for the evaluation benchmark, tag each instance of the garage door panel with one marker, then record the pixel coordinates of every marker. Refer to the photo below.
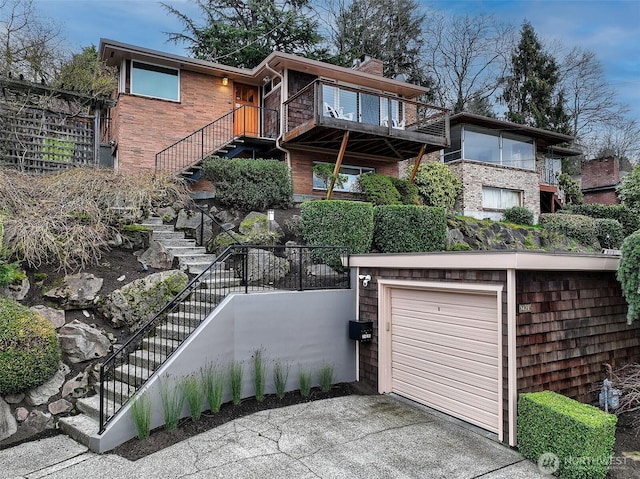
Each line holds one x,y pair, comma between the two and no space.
445,352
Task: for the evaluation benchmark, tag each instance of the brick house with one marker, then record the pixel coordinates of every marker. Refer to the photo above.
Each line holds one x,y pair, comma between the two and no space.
173,111
600,178
503,164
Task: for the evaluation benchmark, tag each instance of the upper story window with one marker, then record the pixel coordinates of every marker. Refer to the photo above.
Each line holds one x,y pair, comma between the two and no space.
155,81
487,146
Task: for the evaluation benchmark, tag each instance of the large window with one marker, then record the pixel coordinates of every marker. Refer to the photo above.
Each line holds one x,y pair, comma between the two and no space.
500,198
351,172
155,81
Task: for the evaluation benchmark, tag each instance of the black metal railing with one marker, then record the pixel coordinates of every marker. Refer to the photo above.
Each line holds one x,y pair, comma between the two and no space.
215,228
240,268
244,121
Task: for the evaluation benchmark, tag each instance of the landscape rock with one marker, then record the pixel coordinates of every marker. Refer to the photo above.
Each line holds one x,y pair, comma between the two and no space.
22,413
78,291
190,222
81,342
42,393
16,292
60,406
135,303
38,421
8,424
321,271
265,267
295,255
168,214
135,239
16,398
76,387
226,216
116,240
156,256
54,316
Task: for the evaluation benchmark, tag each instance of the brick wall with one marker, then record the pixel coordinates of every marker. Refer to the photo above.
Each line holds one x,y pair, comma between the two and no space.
600,172
371,65
604,197
147,125
577,322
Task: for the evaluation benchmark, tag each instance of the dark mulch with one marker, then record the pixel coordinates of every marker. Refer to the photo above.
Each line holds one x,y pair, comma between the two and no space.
161,438
626,452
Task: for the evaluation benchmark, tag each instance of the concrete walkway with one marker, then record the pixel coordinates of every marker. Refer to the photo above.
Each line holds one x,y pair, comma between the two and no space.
349,437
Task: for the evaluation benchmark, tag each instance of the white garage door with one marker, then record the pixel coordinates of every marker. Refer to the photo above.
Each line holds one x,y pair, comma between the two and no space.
445,352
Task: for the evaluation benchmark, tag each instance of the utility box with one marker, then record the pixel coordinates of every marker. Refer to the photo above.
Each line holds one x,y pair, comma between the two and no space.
361,331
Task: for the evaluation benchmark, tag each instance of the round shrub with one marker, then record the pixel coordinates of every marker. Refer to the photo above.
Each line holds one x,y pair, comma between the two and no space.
408,191
378,189
437,185
629,275
519,215
578,227
29,348
609,233
409,228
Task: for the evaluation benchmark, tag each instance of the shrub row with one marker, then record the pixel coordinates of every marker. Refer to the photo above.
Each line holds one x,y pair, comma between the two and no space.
629,221
553,426
629,275
409,228
386,190
249,184
578,227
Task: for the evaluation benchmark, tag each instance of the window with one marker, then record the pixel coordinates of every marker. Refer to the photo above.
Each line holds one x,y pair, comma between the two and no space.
518,152
342,104
500,198
481,147
351,172
155,81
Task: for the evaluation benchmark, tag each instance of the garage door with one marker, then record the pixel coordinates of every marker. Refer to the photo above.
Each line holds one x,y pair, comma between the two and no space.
445,352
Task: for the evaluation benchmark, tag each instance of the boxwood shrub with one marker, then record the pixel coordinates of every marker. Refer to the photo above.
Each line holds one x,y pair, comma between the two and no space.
29,348
519,215
578,227
629,221
378,189
337,223
409,228
609,233
249,184
580,435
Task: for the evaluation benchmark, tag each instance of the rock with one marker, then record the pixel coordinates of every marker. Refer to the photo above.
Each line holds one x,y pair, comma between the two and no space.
188,220
265,267
213,210
42,393
16,398
77,292
22,413
81,342
225,216
60,406
156,256
76,387
16,292
55,316
38,421
321,271
294,255
116,241
168,214
136,238
8,424
136,302
255,224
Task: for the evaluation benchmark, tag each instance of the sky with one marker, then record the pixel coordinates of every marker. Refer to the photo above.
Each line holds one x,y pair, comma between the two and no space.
610,28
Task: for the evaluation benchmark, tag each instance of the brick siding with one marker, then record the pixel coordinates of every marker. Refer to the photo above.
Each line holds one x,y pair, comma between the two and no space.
603,197
600,172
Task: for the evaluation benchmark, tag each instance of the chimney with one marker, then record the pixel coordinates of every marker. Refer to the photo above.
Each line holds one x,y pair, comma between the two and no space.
369,65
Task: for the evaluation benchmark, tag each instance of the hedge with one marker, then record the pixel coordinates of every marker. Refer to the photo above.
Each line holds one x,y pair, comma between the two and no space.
409,228
378,189
578,227
518,215
609,233
580,435
249,184
629,221
337,223
629,275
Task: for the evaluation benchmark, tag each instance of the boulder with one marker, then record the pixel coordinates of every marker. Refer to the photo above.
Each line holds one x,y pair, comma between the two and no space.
22,413
54,316
156,256
60,406
168,214
38,421
191,221
81,342
225,216
16,291
76,387
321,271
136,302
116,240
8,424
42,393
265,267
16,398
78,291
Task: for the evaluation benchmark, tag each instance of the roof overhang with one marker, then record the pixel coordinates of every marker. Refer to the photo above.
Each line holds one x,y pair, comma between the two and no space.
488,260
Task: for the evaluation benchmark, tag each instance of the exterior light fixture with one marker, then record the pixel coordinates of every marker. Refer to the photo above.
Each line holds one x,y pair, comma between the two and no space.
271,216
225,81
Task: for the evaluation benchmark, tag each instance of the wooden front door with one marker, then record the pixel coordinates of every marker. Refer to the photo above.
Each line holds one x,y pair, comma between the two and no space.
245,121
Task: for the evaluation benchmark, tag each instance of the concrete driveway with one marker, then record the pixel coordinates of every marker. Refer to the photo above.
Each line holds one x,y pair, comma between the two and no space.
348,437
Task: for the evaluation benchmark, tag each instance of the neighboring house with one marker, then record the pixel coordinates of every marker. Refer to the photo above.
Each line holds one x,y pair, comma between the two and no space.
503,164
600,178
173,111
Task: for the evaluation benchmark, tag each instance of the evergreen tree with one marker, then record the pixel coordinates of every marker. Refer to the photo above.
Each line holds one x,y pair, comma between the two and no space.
531,92
85,73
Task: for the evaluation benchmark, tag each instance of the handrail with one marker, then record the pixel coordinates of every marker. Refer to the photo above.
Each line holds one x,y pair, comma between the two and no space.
246,260
204,213
193,148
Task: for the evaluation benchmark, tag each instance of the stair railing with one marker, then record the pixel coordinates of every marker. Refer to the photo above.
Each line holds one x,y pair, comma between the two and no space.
260,268
215,224
209,139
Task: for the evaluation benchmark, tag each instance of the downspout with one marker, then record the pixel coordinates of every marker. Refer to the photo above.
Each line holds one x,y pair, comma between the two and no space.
283,88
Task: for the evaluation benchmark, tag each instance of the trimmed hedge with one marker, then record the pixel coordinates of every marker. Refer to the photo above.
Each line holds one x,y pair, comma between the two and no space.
378,189
29,348
630,222
580,435
609,233
249,184
409,228
337,223
519,215
578,227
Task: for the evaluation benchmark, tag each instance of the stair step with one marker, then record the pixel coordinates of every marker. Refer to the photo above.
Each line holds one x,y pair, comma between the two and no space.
90,406
186,260
80,427
162,345
217,282
196,306
118,391
147,359
176,242
198,264
161,235
189,319
174,331
156,227
185,251
153,220
132,375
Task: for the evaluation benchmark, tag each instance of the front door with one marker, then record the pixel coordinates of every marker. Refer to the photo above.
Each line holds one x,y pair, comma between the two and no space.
245,121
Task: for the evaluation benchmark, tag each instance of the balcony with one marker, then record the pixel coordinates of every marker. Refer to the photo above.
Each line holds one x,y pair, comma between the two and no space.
381,126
